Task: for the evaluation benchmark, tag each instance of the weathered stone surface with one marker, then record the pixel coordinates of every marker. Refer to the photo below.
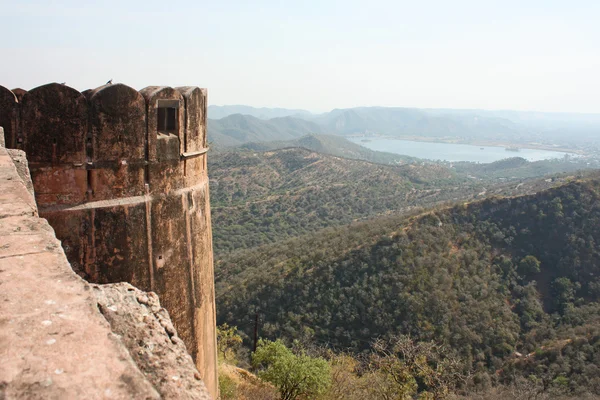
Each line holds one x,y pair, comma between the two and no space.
54,343
8,116
19,93
20,162
147,332
153,95
117,142
53,125
118,123
129,202
54,120
194,122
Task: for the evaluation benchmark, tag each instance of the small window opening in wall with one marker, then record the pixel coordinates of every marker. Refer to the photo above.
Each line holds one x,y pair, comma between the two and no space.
167,116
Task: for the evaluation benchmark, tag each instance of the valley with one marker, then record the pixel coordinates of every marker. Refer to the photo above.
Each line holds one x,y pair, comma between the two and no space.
549,131
333,247
312,200
492,279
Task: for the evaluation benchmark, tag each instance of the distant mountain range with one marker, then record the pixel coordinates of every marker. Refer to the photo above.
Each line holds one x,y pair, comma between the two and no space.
269,124
413,122
237,129
218,112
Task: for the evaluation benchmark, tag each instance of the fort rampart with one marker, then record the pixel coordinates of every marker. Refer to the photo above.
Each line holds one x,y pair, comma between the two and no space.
121,176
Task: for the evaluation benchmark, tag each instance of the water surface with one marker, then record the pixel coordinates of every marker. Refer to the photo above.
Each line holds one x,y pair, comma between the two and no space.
454,152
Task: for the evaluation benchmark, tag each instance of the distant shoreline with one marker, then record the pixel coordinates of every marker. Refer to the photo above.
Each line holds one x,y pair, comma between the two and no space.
425,139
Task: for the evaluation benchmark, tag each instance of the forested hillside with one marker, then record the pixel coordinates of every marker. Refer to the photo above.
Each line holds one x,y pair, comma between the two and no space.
335,146
267,196
238,129
259,198
517,167
511,283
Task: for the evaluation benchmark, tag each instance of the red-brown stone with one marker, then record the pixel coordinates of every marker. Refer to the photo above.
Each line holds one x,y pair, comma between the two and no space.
129,201
8,116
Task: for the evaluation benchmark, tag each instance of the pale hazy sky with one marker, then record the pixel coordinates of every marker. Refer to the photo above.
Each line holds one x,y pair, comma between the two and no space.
317,55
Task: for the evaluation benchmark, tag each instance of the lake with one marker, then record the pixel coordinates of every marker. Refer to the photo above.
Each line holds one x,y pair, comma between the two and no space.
454,152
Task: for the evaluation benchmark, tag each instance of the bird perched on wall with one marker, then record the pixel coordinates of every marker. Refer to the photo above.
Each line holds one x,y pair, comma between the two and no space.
109,82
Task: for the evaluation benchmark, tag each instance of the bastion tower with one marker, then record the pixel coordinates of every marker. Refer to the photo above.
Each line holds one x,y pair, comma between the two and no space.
121,176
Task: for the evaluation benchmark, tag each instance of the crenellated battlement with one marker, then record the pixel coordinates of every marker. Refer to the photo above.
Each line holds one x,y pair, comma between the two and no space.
109,142
121,176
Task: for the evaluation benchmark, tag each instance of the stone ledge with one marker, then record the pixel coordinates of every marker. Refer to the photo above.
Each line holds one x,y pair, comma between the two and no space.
147,332
54,342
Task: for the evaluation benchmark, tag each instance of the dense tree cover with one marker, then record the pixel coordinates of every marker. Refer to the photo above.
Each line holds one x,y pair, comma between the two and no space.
512,284
260,198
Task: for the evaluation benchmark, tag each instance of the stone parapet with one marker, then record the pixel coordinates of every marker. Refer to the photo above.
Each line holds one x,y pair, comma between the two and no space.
55,343
121,176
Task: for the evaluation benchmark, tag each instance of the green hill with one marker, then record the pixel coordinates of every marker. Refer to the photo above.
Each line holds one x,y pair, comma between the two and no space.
333,145
265,197
396,121
218,112
261,197
511,283
238,129
518,168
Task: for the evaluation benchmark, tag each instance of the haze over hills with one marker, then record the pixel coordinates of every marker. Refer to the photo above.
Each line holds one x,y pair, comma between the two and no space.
329,243
237,129
548,119
333,145
509,168
334,244
532,117
574,130
218,112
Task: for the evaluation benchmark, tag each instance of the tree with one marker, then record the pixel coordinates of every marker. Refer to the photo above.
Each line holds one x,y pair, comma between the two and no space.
424,367
564,292
529,265
228,341
294,375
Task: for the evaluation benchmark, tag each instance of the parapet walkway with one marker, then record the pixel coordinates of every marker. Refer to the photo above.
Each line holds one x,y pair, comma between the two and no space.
54,343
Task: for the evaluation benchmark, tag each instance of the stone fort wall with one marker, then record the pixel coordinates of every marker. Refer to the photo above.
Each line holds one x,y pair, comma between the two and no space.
121,177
